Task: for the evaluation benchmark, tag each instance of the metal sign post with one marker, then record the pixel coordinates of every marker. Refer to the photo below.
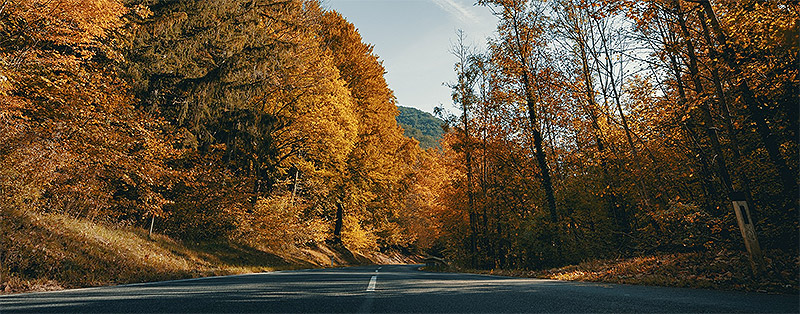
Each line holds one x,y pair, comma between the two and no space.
747,227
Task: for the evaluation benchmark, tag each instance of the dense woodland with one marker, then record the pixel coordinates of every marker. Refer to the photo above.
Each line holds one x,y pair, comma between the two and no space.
594,128
267,122
587,128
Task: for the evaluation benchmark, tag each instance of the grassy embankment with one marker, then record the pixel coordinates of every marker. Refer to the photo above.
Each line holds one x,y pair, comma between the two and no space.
41,252
722,270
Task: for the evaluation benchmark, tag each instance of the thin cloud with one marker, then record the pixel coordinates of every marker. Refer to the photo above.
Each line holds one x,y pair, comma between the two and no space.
457,10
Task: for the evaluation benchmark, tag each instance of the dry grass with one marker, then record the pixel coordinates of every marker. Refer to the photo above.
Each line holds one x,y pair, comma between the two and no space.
49,251
724,270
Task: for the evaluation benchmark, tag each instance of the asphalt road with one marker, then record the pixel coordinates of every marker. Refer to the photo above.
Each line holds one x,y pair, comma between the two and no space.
396,288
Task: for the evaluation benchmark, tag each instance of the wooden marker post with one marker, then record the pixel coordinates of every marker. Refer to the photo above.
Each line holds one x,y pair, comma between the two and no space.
747,227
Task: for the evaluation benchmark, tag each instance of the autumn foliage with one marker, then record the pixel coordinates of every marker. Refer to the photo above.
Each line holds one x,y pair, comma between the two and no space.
585,128
604,129
266,123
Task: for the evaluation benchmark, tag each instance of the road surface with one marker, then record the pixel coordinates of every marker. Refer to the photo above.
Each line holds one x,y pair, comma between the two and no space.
395,288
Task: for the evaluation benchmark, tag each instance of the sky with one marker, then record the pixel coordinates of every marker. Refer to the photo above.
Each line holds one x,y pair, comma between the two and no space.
413,39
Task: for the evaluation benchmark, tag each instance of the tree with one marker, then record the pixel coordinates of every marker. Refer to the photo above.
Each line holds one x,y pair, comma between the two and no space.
633,130
582,27
378,167
463,95
72,142
521,31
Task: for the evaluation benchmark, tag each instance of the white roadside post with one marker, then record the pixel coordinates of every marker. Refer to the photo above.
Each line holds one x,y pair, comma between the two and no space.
152,221
747,227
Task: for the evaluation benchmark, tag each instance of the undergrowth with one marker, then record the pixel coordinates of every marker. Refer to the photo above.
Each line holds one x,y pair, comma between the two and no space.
41,252
722,270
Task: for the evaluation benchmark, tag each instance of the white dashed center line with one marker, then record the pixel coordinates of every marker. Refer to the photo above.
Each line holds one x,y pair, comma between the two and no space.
372,281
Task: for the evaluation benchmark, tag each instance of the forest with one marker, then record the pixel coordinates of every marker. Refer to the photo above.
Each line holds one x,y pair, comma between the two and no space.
592,129
585,129
267,123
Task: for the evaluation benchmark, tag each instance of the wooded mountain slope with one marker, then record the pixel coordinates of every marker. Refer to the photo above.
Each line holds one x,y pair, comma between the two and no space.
420,125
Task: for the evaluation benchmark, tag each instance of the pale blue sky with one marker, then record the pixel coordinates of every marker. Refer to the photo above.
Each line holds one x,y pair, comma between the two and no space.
413,38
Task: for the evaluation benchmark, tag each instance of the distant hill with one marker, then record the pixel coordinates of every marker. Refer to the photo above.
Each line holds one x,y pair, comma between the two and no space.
420,125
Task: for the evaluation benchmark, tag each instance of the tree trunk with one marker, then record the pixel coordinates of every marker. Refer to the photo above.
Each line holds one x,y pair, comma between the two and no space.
726,115
294,186
708,188
614,208
628,133
708,122
337,228
464,90
541,158
473,213
541,155
788,179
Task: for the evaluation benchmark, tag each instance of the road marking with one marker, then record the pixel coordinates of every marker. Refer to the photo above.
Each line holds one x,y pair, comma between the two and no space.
372,281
